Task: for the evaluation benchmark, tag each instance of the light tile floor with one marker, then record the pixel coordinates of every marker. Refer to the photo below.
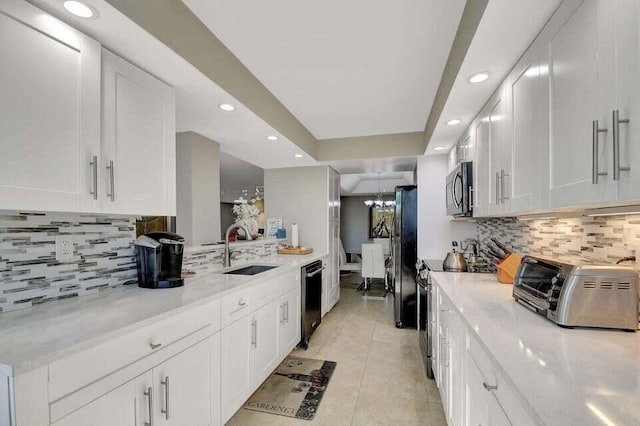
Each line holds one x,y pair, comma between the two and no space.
379,379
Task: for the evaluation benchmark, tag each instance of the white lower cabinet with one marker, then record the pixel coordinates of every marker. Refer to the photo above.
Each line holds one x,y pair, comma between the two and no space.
183,386
254,345
126,405
175,392
289,333
265,338
237,365
472,390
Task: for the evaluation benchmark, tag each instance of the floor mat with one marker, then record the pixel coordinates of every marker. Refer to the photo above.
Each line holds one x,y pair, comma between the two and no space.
295,389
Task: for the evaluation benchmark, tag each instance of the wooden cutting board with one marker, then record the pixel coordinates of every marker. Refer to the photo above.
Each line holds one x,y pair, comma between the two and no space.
295,250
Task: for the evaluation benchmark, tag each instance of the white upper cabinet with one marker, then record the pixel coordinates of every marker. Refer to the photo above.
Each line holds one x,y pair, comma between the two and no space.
530,127
499,151
481,186
580,78
49,111
138,140
626,14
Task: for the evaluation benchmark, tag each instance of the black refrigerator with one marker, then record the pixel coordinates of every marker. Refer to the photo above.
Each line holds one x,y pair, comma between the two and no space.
404,240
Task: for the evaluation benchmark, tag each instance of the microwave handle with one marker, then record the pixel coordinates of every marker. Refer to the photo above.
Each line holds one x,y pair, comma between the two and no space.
453,191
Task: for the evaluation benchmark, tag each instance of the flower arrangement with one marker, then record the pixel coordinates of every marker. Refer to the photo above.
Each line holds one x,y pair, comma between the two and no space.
247,213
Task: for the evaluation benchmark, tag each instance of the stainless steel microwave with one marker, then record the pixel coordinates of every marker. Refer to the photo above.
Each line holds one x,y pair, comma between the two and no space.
458,190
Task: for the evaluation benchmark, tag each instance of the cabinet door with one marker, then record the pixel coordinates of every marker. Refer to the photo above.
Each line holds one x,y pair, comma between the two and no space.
627,40
497,416
49,113
457,347
476,396
183,387
481,178
138,140
499,153
529,115
289,335
579,76
334,264
265,337
127,405
237,365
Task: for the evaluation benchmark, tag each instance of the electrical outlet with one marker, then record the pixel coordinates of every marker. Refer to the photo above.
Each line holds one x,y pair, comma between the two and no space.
64,248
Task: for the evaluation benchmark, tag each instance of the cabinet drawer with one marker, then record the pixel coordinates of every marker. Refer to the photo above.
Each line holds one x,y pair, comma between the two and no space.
78,370
236,305
506,396
264,293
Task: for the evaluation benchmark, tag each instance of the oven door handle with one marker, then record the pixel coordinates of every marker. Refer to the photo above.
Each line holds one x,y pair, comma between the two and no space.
316,272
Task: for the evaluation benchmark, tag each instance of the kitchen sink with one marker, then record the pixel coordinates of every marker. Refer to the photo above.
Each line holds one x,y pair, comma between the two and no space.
251,270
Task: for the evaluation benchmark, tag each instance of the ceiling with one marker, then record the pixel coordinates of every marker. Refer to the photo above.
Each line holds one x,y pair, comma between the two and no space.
507,28
372,183
241,133
343,68
338,78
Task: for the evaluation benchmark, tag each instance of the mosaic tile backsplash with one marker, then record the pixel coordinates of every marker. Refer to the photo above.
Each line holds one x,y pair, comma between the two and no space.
589,239
103,256
202,259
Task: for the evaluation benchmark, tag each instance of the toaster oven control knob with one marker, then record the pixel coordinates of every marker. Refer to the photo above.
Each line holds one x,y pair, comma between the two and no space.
557,281
553,303
555,292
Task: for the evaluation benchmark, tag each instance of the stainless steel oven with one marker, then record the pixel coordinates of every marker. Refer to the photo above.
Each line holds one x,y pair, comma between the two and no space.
459,186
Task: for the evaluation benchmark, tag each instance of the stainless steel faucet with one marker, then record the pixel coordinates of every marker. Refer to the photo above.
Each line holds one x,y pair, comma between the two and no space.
227,254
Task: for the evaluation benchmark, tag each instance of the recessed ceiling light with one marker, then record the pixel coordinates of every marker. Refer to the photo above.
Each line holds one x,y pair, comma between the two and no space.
453,122
272,138
438,148
79,9
227,107
478,77
298,155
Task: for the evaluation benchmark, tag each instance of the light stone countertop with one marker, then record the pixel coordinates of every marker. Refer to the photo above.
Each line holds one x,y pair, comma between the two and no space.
567,376
39,335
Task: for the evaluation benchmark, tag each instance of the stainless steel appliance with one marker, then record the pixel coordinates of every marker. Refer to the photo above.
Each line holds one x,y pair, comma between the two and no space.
459,186
573,295
425,332
404,255
159,260
311,300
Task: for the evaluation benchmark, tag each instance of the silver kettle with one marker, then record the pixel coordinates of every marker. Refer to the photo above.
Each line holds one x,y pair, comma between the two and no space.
454,261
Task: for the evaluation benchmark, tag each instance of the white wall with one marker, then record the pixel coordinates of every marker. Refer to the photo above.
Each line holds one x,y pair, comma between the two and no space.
198,188
435,229
299,195
354,221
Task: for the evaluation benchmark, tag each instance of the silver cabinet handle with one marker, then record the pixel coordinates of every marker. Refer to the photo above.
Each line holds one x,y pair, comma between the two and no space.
112,183
472,193
503,186
497,188
616,144
286,312
488,387
595,132
149,395
154,346
282,314
165,383
315,272
94,175
254,333
242,303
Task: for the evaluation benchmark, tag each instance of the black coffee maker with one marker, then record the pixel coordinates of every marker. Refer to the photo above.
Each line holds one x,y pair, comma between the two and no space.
159,260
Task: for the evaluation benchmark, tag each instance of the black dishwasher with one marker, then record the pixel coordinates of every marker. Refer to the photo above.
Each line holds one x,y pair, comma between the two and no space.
311,298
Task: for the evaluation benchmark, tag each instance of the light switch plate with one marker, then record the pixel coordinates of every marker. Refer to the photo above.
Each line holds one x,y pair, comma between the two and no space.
64,248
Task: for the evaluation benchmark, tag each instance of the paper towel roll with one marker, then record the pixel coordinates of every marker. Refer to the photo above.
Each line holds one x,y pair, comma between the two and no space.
294,234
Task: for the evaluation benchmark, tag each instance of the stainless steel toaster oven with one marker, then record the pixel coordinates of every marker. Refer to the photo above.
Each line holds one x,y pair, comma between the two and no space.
573,295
